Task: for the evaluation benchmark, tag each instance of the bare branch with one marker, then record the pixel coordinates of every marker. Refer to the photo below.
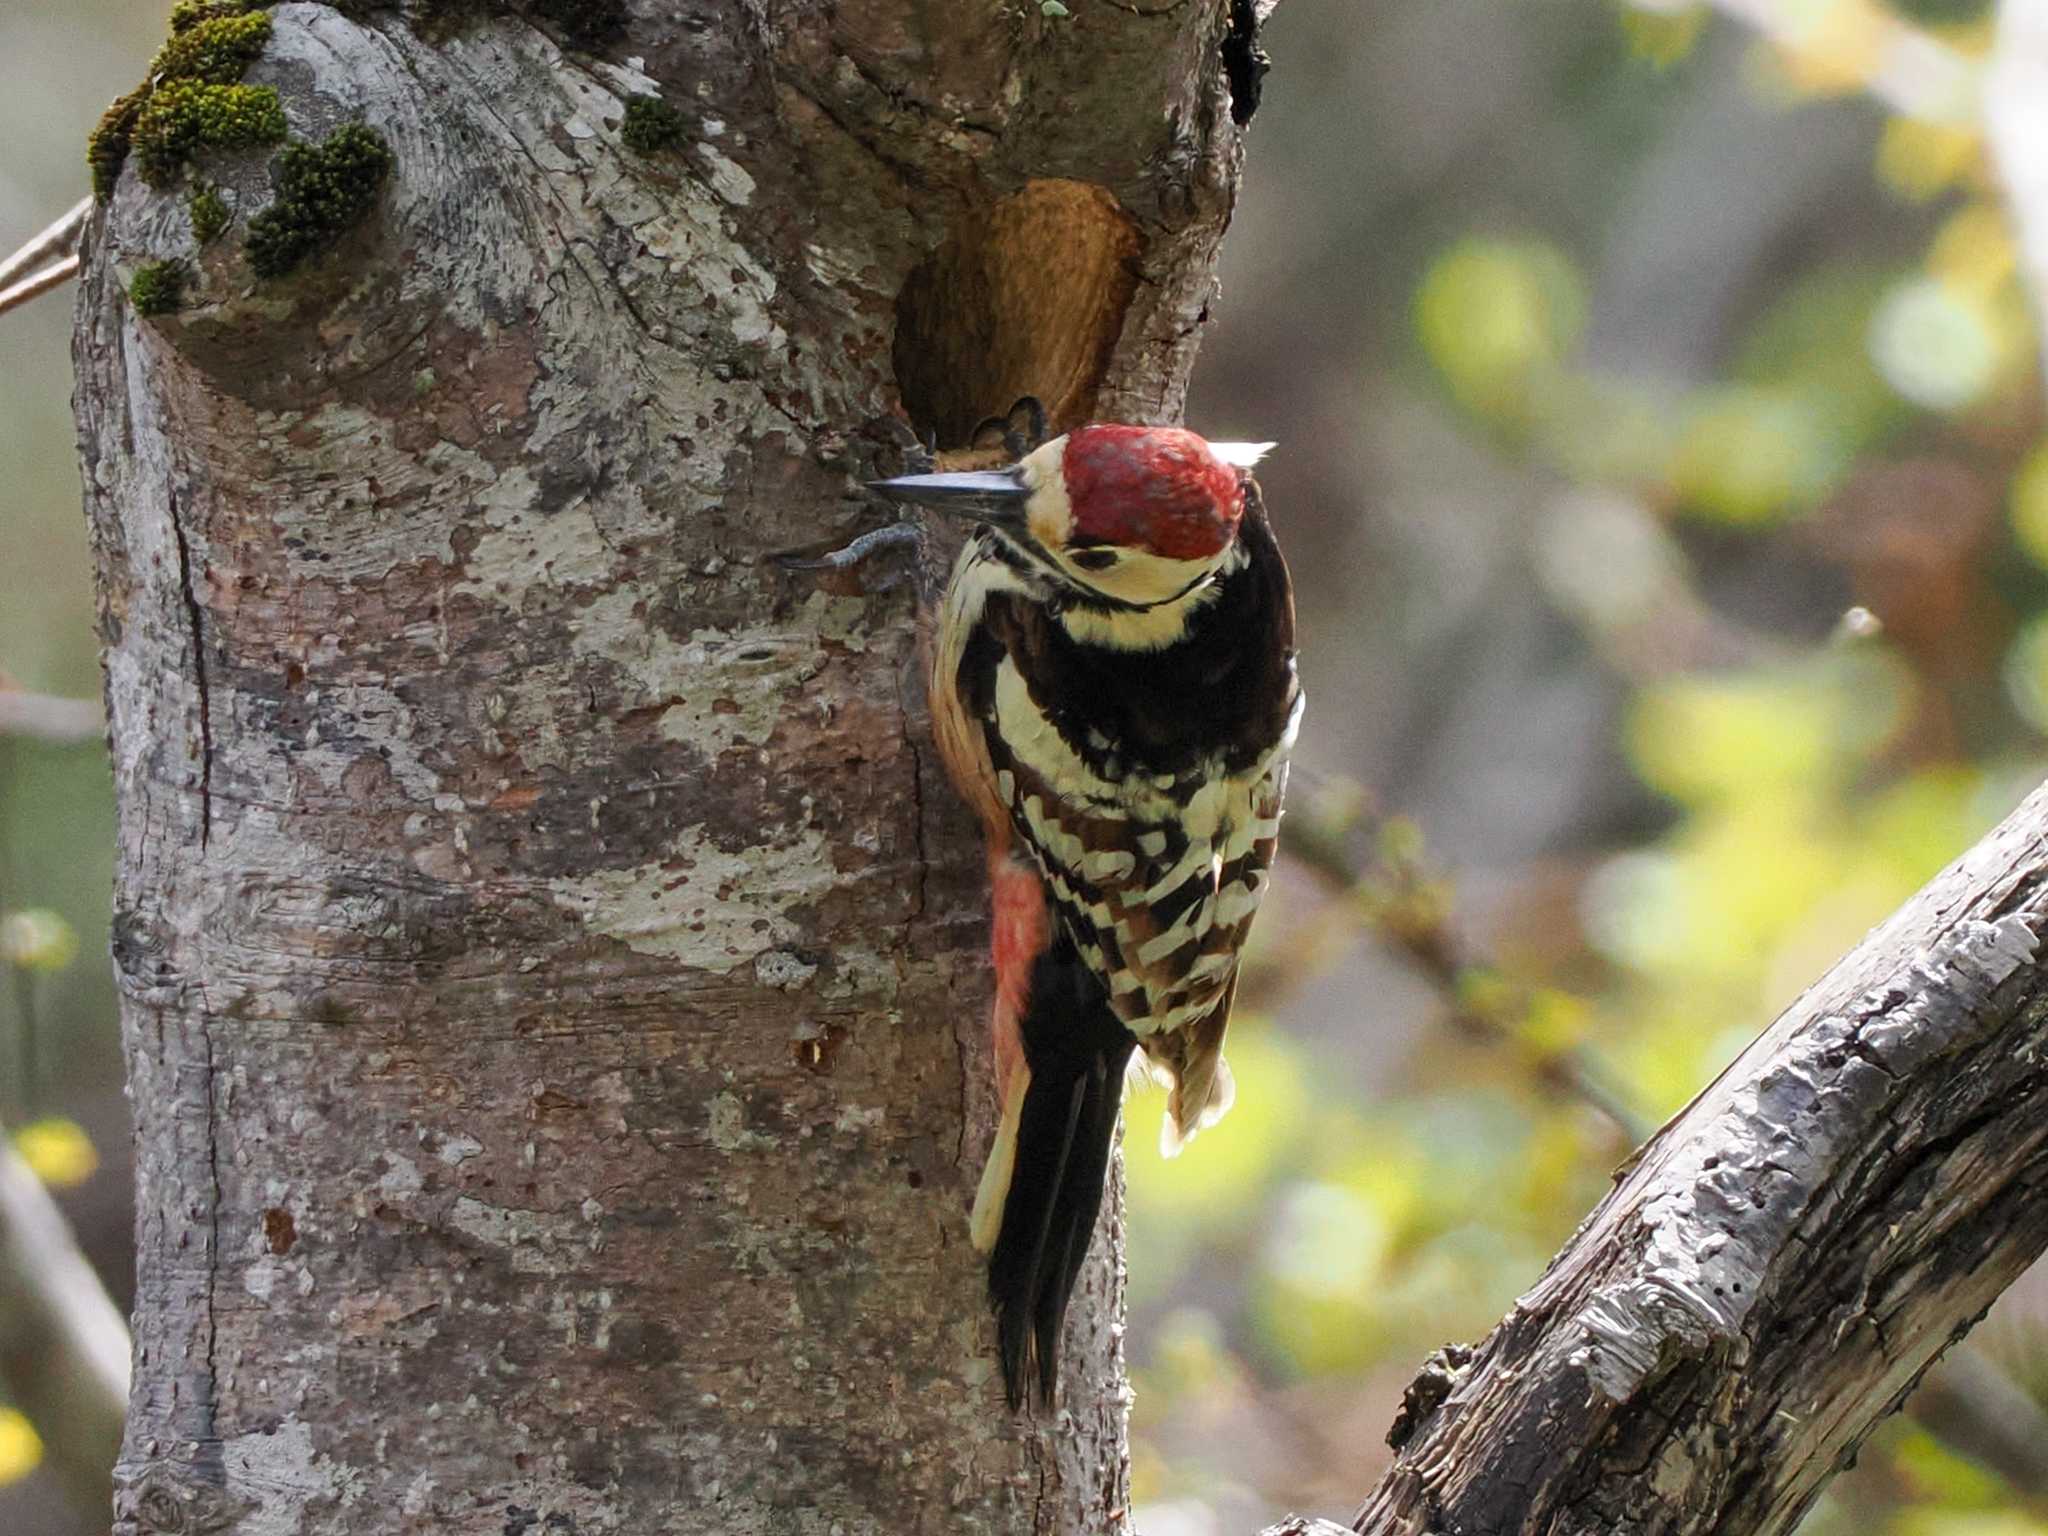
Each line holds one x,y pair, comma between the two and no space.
60,239
45,717
1967,1401
63,1346
32,287
1775,1270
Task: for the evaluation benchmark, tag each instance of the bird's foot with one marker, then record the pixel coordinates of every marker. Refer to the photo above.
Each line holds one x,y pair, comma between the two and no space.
904,535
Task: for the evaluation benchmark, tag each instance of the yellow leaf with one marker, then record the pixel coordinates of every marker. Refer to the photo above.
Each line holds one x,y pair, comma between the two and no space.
1831,47
58,1151
1495,317
1661,35
1752,455
1975,250
1715,737
2030,505
1917,159
1705,739
1554,1021
37,939
21,1448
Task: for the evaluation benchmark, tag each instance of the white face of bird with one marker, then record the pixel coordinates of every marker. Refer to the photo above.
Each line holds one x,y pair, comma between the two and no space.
1138,516
1124,572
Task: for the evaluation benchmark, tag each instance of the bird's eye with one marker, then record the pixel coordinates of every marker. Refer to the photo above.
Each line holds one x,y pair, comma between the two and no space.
1094,559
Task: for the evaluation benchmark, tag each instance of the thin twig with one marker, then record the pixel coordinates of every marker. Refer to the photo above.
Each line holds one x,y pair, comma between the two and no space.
60,239
31,287
45,717
1667,1363
1403,910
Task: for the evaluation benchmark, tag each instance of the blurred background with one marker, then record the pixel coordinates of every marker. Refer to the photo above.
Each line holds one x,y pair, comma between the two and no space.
60,1058
1663,467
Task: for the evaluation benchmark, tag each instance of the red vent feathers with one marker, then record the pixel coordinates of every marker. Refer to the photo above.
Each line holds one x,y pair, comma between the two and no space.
1153,488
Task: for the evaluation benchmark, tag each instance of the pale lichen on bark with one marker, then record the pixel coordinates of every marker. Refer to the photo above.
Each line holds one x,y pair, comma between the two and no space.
545,959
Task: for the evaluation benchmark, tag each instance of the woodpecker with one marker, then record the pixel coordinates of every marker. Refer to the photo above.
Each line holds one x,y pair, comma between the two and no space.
1114,692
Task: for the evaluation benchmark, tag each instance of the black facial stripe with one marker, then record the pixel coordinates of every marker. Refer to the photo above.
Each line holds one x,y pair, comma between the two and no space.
1028,559
1022,555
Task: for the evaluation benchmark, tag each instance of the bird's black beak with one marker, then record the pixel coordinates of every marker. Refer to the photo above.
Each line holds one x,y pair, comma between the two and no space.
992,496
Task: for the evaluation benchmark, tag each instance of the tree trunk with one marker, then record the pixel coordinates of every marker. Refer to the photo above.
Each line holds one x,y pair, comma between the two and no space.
550,958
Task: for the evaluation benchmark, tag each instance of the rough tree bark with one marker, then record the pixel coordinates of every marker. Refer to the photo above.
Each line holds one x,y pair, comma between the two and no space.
1777,1267
549,960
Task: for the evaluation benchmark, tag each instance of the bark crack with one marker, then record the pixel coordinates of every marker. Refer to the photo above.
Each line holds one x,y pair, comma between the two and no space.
193,618
618,286
920,853
209,1406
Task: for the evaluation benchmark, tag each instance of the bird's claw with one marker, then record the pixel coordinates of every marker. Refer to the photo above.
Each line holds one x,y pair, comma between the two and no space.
904,535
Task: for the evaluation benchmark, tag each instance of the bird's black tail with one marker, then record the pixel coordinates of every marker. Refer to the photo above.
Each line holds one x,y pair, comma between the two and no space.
1076,1049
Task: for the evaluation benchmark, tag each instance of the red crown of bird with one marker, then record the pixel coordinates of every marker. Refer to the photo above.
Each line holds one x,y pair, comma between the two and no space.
1158,488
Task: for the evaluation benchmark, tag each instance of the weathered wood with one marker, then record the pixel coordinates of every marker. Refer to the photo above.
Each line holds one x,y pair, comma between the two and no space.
550,963
1776,1268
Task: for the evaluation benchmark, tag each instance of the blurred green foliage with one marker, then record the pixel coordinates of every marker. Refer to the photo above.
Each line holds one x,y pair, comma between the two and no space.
1844,452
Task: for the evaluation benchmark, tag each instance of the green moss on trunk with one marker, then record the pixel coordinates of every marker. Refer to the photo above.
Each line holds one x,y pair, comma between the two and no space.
106,149
216,51
157,288
322,190
652,125
190,100
187,14
182,117
209,212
